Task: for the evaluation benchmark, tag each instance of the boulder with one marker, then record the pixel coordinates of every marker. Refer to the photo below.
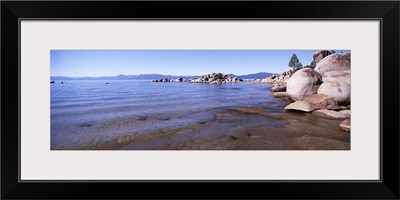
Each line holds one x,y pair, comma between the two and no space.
319,55
345,125
338,90
334,62
214,82
180,79
278,88
300,105
322,101
303,83
218,81
337,76
343,114
280,94
215,76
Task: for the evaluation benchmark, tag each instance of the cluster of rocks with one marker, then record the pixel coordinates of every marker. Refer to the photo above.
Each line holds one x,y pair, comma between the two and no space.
281,79
166,80
215,78
324,91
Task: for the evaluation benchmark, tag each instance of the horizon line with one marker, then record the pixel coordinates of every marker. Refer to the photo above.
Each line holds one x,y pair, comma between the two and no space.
152,74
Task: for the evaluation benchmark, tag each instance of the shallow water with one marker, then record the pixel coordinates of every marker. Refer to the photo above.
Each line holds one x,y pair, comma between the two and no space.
94,115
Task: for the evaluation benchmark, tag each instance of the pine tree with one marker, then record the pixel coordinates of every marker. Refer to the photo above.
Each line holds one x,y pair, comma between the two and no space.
295,63
313,65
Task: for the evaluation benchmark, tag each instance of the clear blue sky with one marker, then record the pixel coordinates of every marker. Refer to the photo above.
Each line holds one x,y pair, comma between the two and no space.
93,63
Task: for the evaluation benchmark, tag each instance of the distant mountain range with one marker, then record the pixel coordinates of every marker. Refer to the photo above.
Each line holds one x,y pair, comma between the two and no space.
260,75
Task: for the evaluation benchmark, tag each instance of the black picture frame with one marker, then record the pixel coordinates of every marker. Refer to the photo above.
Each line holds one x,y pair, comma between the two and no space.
386,11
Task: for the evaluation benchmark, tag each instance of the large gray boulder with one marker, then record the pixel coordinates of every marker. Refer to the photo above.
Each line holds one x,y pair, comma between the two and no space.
337,76
303,83
334,62
319,55
338,90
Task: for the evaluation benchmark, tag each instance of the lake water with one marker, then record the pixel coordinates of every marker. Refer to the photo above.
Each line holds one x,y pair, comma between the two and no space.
90,112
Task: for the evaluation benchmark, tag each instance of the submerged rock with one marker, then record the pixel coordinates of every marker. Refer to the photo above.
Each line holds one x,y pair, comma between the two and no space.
309,142
163,118
280,94
343,114
142,118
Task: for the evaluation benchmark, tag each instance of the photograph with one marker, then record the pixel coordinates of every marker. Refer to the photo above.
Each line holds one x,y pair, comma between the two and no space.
200,99
106,99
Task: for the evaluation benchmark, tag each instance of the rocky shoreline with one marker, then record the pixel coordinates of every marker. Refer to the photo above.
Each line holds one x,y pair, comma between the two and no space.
214,78
323,91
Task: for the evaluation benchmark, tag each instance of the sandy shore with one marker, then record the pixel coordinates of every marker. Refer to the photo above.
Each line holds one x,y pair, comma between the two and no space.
244,128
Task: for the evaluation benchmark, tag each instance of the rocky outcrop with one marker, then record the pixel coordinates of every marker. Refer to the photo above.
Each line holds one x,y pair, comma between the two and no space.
180,79
303,83
338,90
165,80
324,91
333,62
343,114
281,79
215,78
345,125
319,55
300,105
